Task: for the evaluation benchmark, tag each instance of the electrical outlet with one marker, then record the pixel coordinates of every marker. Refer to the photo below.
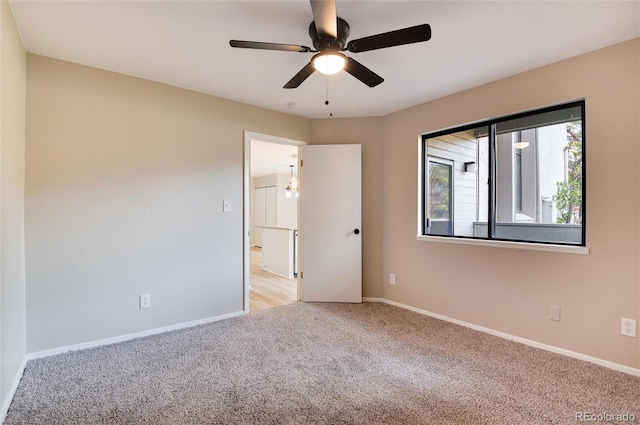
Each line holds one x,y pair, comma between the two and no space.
392,278
628,327
145,300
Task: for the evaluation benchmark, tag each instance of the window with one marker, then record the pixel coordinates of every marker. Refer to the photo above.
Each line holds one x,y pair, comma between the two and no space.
518,178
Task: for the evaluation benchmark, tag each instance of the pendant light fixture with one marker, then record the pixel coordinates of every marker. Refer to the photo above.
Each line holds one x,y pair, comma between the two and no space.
520,144
292,188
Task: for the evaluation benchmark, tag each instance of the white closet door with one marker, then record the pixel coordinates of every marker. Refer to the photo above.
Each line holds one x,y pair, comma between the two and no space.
271,211
259,214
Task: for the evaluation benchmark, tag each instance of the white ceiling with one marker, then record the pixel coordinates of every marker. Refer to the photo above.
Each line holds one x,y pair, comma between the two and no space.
186,44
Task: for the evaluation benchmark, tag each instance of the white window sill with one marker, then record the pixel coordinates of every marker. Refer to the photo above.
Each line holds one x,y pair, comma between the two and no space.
564,249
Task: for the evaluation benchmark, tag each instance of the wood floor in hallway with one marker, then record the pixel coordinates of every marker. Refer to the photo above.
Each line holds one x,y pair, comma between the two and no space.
267,289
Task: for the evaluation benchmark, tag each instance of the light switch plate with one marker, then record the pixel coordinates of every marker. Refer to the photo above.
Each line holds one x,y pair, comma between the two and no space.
226,206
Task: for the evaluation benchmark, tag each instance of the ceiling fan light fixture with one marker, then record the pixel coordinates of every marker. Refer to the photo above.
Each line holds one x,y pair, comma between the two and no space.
329,63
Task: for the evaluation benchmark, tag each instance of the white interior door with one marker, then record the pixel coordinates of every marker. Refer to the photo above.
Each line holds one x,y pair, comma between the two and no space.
330,223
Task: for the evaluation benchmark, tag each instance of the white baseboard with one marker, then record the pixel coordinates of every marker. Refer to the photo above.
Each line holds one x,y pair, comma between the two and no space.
605,363
128,337
372,300
12,391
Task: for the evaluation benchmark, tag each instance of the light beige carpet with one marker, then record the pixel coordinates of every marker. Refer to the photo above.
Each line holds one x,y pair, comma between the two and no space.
321,364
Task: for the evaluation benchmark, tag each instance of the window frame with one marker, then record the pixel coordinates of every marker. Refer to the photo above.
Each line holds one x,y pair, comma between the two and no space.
491,239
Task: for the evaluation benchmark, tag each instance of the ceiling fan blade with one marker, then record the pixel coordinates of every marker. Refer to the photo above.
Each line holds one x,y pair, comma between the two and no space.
362,73
302,75
325,17
392,38
269,46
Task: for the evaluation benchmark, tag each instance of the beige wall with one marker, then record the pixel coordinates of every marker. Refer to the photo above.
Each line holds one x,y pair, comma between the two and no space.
512,290
368,133
12,259
124,191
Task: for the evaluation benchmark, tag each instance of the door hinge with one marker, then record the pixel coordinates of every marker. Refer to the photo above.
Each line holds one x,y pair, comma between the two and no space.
301,275
301,162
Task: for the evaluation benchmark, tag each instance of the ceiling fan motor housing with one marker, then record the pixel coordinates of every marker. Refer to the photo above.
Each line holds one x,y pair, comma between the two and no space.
330,44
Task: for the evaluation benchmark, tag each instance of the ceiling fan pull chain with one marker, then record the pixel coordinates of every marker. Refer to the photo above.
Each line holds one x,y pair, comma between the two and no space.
326,90
330,87
326,95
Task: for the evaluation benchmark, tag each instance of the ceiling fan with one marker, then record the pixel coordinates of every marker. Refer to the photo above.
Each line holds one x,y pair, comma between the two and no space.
329,35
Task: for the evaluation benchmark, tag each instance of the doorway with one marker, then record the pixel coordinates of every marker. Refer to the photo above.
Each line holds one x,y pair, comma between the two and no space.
270,221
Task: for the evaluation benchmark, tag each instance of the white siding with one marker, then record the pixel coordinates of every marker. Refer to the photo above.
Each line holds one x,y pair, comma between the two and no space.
459,148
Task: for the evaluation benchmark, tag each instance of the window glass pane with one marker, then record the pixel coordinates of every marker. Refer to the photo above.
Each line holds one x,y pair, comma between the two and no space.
439,191
440,198
539,182
456,163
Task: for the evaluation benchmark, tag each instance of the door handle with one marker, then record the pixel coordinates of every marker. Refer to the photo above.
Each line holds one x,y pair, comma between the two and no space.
356,231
